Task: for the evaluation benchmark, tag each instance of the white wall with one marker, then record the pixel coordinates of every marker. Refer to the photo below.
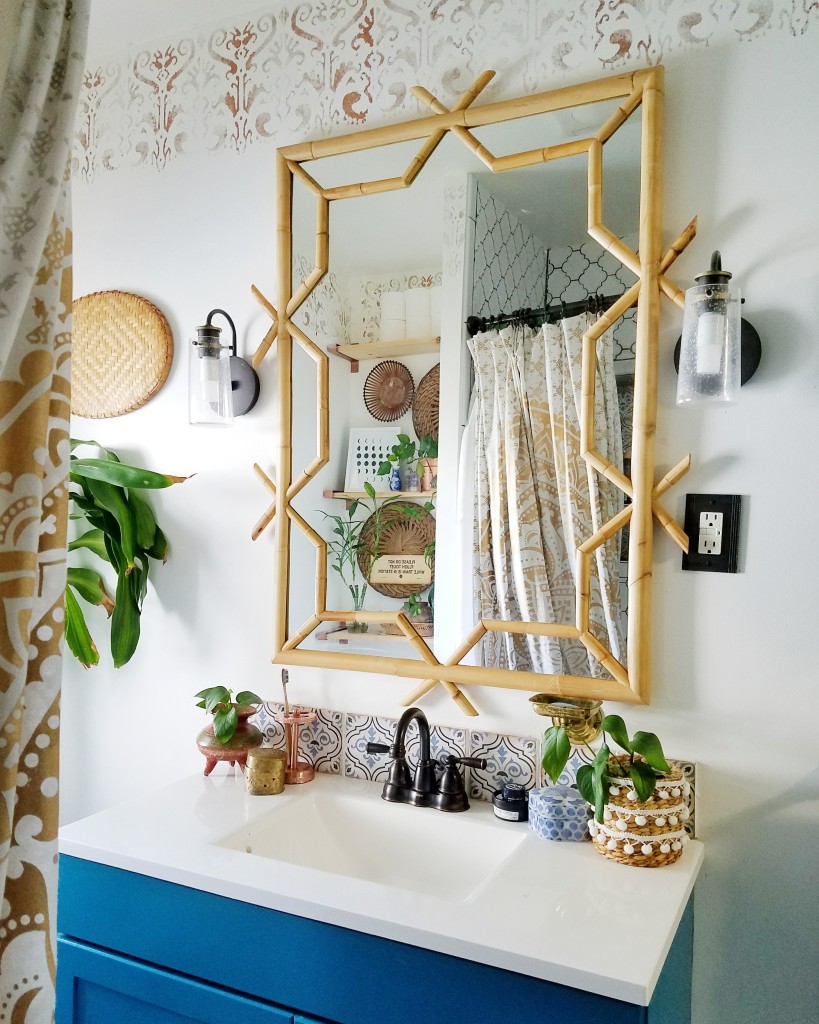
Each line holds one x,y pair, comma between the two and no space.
735,656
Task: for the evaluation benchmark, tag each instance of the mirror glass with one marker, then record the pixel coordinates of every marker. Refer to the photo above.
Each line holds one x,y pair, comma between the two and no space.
415,263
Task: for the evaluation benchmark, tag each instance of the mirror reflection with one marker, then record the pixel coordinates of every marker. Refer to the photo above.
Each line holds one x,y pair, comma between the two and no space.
456,490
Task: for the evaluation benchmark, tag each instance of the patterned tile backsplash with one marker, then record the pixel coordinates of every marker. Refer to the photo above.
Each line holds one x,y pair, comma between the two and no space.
336,743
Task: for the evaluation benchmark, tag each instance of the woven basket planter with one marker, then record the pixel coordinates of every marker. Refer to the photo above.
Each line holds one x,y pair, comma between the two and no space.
647,834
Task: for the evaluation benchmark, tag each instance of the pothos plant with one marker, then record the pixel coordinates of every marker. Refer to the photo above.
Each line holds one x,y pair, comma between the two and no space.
107,496
646,762
217,700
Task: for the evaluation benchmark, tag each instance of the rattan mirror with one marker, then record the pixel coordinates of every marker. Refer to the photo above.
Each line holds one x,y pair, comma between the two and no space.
303,613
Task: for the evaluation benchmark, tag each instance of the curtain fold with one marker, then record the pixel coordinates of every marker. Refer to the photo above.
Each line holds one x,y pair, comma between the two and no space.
37,108
534,500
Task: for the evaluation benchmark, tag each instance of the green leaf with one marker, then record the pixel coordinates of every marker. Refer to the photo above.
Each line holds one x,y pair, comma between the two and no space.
144,520
201,704
124,623
585,782
369,489
224,723
353,506
385,469
115,556
216,695
114,501
614,726
648,746
159,548
643,778
94,540
556,751
120,475
90,586
403,438
76,633
246,698
599,766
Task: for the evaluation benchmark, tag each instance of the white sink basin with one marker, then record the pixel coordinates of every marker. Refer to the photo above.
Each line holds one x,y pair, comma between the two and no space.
357,834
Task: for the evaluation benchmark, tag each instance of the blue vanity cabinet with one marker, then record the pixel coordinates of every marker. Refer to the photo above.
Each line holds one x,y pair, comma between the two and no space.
137,950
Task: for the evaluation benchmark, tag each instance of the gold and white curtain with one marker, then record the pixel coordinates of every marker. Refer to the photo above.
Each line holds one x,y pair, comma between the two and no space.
535,500
37,108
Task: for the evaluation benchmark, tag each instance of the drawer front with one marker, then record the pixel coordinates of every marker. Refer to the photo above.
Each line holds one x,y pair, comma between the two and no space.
95,986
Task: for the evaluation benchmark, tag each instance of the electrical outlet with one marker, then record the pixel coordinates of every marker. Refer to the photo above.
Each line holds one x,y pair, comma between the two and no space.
710,535
712,525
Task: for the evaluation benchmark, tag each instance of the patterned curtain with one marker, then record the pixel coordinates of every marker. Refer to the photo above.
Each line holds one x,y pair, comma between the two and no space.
534,499
37,107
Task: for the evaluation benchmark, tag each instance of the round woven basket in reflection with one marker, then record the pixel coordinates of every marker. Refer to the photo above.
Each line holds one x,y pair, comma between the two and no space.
122,353
425,407
401,534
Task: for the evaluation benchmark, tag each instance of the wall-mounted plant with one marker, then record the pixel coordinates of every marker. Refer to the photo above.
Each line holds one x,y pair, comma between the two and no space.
107,496
644,765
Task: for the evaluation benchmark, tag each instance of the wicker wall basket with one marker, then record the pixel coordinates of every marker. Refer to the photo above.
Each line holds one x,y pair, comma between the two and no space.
645,835
122,353
425,407
400,535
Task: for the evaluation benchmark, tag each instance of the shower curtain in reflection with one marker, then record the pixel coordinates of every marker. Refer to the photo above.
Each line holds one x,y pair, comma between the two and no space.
535,500
37,107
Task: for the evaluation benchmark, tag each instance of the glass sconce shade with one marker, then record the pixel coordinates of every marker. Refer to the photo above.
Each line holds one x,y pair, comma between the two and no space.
210,398
710,363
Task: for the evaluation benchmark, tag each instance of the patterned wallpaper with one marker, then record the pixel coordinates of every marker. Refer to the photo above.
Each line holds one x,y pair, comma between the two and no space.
283,72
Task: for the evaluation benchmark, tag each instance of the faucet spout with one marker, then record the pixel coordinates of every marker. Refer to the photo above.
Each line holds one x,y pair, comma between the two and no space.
398,787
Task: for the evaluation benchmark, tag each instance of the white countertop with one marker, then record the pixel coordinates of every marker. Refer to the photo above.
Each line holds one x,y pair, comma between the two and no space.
556,911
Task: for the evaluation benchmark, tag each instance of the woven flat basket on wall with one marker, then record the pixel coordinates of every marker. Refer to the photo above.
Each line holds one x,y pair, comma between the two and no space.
425,406
122,353
400,535
648,834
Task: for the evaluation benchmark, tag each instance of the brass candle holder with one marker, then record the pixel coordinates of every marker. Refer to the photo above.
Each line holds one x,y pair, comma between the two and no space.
292,719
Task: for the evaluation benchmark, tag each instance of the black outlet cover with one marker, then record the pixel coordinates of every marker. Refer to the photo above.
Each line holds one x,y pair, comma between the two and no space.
729,505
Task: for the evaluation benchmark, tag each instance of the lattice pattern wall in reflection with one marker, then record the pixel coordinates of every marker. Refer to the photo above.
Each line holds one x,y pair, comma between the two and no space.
509,261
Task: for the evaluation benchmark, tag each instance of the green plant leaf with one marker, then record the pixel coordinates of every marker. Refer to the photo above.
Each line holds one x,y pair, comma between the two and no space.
643,778
124,623
77,636
556,751
385,468
216,695
614,726
585,782
93,540
369,489
120,475
144,519
247,697
90,586
159,548
113,500
599,766
115,556
225,721
648,746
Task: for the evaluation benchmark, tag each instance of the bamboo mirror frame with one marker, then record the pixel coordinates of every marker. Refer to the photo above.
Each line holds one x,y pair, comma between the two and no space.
650,265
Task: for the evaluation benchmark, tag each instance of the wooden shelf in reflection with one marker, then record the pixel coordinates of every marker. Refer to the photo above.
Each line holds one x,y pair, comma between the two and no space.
352,495
373,635
355,354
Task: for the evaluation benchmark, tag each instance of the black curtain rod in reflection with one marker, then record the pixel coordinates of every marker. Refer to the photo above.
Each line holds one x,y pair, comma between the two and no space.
544,314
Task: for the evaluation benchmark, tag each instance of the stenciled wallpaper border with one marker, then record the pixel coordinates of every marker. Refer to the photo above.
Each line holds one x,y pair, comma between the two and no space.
284,72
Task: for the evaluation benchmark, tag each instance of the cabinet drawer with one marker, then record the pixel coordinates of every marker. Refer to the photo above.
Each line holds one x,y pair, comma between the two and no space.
98,987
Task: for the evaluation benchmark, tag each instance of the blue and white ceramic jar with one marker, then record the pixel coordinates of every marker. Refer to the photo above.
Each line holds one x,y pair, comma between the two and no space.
559,812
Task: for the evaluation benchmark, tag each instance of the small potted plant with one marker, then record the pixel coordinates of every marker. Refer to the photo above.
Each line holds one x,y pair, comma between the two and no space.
420,612
400,455
230,735
638,797
428,462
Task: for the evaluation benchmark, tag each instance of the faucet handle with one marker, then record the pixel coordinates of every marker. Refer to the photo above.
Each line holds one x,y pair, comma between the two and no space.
449,761
378,748
451,794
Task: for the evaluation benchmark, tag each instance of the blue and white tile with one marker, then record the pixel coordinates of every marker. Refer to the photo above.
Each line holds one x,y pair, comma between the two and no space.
359,731
265,720
509,759
322,742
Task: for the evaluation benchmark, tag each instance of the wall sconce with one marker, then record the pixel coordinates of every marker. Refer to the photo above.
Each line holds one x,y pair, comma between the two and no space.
718,350
221,384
